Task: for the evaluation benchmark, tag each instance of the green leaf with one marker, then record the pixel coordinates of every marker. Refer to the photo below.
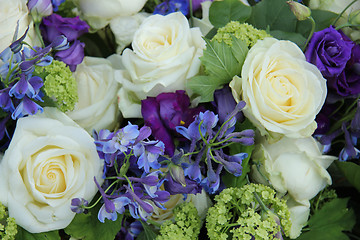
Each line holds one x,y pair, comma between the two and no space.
274,14
147,234
204,86
351,172
322,18
25,235
239,50
292,36
88,227
222,12
330,221
219,61
229,179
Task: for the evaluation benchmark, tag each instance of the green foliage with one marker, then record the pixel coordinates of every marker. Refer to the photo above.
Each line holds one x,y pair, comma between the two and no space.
25,235
292,36
323,19
147,234
351,172
222,12
222,63
237,213
88,227
273,15
330,221
229,179
186,224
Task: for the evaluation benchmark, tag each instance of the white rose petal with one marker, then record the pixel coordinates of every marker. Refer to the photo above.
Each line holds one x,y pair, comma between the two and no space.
49,161
97,88
99,13
295,167
282,91
165,54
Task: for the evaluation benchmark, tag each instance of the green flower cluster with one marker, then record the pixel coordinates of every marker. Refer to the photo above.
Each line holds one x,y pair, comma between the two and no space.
186,224
60,85
242,31
8,227
247,212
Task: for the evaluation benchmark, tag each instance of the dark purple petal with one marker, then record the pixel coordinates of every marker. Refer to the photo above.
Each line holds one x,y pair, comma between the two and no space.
225,104
173,187
55,25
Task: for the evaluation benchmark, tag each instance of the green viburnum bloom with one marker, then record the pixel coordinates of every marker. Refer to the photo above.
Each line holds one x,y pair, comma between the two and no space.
8,227
247,212
186,224
242,31
60,85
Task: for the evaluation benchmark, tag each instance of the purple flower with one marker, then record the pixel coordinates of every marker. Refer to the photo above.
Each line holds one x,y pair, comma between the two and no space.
40,9
78,205
29,87
225,104
6,102
26,107
148,153
164,113
348,82
170,6
73,55
329,50
129,231
55,25
197,4
174,187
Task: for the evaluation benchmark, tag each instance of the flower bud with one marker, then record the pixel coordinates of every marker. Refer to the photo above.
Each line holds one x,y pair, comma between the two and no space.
300,11
177,173
39,9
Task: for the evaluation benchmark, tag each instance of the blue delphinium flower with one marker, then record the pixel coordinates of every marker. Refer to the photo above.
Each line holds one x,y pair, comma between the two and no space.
148,153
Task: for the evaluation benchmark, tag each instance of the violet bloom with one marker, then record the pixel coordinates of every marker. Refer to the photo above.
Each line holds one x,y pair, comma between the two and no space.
165,112
174,187
55,25
148,153
39,9
170,6
348,82
329,51
73,55
197,4
56,4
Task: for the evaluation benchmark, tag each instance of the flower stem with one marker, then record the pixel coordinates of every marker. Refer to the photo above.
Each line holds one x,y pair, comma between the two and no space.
343,11
311,32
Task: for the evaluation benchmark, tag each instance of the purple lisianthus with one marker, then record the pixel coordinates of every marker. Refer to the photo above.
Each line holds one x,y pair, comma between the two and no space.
348,82
329,50
163,113
55,25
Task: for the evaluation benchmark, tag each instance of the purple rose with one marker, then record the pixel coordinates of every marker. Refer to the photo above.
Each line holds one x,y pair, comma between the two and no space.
163,113
55,25
73,55
329,50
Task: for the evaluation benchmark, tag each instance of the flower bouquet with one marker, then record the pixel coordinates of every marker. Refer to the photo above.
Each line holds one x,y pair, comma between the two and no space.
176,119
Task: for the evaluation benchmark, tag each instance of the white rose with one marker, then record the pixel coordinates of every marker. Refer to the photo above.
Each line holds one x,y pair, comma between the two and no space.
99,13
337,6
165,54
296,167
201,201
97,88
124,29
11,13
282,91
50,160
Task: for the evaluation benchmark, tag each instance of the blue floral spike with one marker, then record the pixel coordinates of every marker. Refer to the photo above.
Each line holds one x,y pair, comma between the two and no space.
26,107
148,153
17,45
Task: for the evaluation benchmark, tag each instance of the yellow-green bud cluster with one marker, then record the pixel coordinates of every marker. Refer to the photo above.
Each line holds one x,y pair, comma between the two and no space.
238,213
186,224
242,31
8,227
61,85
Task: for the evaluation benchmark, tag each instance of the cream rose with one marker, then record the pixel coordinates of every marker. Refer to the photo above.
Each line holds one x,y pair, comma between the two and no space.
295,167
201,201
97,88
99,13
50,160
12,13
165,54
283,92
